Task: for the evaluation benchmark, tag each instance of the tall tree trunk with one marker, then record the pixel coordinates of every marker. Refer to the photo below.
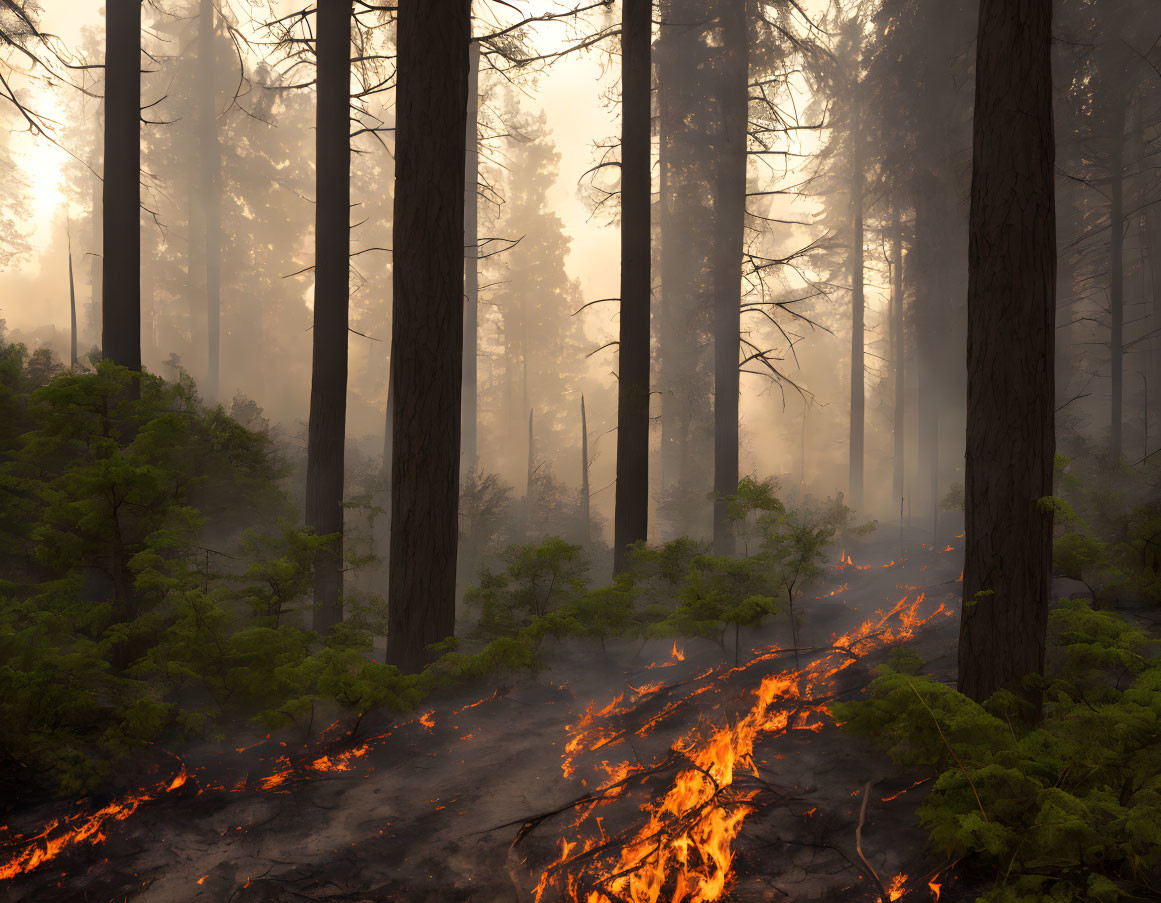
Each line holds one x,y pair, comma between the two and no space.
529,503
685,61
471,264
427,341
531,458
326,435
96,251
585,495
211,167
1011,312
858,310
525,394
930,308
1117,277
382,531
631,517
1065,297
898,355
730,222
389,425
121,197
72,304
1153,258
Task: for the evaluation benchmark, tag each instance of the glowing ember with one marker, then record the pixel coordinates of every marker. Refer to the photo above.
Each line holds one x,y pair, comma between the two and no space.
894,796
895,890
342,761
427,720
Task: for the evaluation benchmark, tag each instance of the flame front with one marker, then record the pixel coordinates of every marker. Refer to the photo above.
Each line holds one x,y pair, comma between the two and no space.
60,834
683,851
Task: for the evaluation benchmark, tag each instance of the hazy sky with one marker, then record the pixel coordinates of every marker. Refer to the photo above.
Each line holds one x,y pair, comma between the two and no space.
569,93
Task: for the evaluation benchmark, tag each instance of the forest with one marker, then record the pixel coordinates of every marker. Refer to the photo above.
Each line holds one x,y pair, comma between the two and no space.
580,451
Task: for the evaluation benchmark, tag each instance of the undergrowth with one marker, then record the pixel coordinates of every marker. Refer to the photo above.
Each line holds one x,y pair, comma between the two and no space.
1068,809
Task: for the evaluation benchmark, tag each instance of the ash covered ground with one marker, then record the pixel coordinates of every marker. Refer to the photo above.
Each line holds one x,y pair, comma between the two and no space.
469,800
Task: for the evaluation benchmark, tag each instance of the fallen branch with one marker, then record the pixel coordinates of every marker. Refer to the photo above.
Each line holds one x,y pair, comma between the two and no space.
859,844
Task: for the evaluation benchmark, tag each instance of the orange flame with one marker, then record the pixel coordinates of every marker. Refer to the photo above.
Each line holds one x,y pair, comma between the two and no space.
77,829
684,848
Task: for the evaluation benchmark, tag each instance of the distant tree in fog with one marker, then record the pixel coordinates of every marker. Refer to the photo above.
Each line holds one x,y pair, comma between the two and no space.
210,178
732,140
531,332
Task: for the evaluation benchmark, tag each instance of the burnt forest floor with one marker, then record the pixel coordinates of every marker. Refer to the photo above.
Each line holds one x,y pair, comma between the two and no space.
459,801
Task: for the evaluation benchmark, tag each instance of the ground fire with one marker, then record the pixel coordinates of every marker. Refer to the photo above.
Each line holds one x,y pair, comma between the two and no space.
671,770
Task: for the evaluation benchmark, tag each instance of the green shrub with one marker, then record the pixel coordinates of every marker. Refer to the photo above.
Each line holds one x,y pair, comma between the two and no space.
1065,809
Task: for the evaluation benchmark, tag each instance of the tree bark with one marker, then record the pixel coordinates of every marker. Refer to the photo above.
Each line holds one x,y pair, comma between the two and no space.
730,221
471,264
1011,313
858,310
389,424
1117,278
121,196
631,517
427,341
211,169
326,435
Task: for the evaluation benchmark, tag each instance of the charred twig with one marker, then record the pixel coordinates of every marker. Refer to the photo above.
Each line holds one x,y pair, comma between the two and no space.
859,844
528,825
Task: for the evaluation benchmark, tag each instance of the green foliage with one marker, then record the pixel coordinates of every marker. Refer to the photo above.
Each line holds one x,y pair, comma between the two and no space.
1062,512
605,612
1108,534
1066,809
720,591
119,626
537,579
280,569
675,588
